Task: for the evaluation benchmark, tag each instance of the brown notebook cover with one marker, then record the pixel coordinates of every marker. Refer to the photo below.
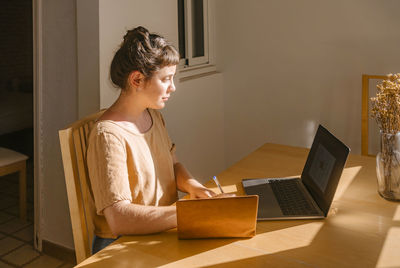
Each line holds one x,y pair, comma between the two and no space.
217,217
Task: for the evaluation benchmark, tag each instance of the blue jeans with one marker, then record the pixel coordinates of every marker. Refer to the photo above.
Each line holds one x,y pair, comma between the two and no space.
100,243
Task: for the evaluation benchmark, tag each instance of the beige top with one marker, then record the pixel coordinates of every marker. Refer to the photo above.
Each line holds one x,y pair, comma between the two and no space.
124,165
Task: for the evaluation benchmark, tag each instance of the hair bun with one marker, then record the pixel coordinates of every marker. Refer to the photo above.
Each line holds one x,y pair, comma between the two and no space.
139,33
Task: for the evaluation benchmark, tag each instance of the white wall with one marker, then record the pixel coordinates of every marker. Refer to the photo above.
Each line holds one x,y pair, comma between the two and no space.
289,65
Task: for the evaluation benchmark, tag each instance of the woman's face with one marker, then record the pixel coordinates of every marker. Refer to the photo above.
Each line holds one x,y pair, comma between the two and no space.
158,89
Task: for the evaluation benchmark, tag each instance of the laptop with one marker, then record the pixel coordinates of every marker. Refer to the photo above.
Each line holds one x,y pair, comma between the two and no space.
311,195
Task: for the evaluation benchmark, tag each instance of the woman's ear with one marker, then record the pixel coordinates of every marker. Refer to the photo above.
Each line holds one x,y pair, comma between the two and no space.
135,79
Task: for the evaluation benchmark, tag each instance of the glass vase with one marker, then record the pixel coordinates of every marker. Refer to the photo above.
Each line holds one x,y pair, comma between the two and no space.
388,166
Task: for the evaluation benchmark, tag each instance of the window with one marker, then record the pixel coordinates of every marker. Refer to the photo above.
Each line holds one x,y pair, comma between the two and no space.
194,37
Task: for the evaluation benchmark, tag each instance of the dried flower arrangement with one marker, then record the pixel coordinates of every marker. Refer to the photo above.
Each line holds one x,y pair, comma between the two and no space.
386,104
386,111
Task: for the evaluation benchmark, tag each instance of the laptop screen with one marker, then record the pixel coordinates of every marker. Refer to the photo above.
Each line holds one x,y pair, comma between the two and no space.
324,167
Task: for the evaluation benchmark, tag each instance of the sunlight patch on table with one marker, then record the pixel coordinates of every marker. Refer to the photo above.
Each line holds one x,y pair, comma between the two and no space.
286,238
396,216
347,177
141,243
389,256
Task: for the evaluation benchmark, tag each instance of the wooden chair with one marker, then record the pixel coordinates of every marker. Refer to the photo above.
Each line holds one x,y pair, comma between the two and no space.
365,111
81,207
11,162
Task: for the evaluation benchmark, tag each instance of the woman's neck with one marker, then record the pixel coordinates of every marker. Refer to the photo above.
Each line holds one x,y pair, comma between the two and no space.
124,111
128,108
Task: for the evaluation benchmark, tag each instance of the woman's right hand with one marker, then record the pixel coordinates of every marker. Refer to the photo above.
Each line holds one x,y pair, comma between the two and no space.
200,191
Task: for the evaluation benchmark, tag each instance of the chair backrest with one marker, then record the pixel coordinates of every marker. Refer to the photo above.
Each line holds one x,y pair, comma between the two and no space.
73,141
365,98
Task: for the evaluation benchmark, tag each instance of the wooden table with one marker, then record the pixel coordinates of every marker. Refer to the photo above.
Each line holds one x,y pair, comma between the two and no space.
362,229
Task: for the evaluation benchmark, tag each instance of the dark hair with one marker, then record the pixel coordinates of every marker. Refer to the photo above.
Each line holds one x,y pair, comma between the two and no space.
143,52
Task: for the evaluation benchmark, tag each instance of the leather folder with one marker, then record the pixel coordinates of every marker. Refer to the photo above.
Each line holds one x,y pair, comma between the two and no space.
217,217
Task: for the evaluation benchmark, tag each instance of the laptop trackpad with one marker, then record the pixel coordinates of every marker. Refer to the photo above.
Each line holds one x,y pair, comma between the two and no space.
268,206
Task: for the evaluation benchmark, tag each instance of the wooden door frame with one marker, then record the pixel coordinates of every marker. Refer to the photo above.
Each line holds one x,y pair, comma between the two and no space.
364,110
37,116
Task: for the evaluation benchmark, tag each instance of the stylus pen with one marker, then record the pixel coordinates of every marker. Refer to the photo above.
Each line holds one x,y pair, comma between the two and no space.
217,183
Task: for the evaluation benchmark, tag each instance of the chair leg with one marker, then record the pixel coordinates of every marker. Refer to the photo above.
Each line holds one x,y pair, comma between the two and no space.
22,191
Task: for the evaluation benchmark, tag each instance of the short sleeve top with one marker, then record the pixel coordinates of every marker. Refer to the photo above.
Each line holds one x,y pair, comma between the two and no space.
125,165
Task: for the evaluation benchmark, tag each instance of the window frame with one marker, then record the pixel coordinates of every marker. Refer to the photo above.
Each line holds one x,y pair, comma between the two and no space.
194,66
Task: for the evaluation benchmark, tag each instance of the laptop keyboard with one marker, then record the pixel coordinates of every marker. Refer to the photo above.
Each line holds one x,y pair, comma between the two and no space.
291,200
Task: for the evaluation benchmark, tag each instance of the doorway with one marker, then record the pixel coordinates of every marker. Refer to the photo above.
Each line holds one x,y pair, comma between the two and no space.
16,116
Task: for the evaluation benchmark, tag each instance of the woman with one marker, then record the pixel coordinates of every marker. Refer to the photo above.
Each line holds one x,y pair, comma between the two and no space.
133,170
